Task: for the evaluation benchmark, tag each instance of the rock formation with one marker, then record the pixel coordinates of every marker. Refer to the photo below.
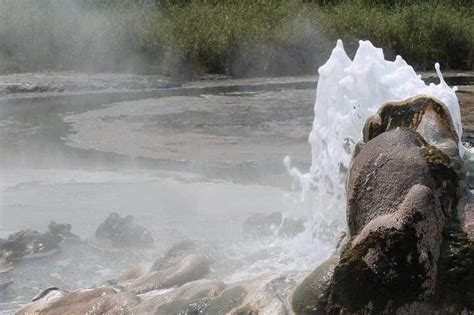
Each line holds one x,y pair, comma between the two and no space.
409,247
123,232
34,244
181,270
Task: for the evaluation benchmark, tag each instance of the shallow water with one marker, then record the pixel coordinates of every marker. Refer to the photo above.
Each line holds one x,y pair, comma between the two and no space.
189,166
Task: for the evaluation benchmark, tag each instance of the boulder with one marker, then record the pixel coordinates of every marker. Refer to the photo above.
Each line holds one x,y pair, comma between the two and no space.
175,252
63,232
408,211
427,116
123,232
191,298
27,244
180,258
89,301
262,295
190,268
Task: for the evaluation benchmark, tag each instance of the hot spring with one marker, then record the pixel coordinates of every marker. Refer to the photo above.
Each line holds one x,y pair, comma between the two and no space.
194,164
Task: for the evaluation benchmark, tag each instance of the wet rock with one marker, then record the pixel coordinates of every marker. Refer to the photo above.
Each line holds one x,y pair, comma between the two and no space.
191,298
427,116
165,263
394,258
46,292
260,225
454,292
172,290
123,232
34,244
408,248
27,244
311,296
256,296
63,232
382,174
90,301
173,253
190,268
263,295
131,274
228,300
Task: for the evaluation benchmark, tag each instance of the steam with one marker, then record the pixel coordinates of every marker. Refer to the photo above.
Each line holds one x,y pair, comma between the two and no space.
67,35
139,37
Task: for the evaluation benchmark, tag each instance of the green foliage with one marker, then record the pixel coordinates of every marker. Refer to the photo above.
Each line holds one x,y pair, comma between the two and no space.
232,37
247,37
422,33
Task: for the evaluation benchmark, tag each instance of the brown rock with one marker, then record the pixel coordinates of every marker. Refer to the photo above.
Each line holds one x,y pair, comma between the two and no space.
190,268
91,301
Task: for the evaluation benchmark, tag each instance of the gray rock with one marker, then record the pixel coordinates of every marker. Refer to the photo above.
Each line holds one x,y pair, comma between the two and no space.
28,244
63,232
123,232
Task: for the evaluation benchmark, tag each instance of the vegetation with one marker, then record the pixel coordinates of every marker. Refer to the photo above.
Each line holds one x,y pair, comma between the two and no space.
244,38
422,32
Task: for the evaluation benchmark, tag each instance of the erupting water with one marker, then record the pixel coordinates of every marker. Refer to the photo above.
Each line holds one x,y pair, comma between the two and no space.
348,93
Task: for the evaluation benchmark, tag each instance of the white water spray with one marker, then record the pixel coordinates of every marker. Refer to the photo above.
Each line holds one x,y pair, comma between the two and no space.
348,92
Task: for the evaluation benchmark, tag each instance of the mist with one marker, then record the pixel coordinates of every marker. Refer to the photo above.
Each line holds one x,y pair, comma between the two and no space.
68,35
147,37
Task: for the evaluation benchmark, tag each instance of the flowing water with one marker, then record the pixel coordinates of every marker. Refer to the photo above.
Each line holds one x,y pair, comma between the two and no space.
190,162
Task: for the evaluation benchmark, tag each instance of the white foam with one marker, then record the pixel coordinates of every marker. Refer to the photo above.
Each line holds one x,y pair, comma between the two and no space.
348,92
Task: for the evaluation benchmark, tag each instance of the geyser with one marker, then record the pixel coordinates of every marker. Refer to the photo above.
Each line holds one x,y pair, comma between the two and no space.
348,92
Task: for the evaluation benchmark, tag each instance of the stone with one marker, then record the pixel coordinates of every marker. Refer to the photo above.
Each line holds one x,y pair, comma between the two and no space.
164,264
190,268
409,214
427,116
27,244
382,174
192,296
174,252
63,232
123,232
89,301
394,258
311,296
